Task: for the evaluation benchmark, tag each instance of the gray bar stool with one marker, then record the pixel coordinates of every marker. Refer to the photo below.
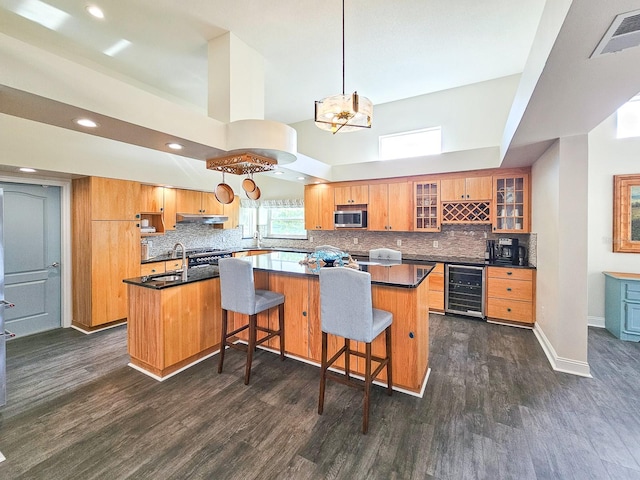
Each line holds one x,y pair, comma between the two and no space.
238,293
346,311
385,254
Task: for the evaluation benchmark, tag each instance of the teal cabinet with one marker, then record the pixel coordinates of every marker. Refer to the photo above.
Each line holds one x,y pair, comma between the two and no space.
622,305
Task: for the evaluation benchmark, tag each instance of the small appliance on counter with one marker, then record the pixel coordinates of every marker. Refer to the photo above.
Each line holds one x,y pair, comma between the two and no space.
522,256
506,252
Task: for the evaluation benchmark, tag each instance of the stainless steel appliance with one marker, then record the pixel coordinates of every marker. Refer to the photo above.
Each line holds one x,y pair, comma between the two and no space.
507,251
201,257
464,290
522,256
350,219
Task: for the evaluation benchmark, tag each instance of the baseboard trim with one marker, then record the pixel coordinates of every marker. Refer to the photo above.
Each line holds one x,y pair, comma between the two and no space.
595,322
99,329
2,459
182,369
560,364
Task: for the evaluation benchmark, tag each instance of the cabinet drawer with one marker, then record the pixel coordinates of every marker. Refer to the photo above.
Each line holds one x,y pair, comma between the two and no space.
632,291
173,265
439,268
509,288
513,273
510,310
436,301
151,268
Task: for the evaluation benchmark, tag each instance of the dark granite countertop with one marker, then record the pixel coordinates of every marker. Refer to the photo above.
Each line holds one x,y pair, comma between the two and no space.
408,274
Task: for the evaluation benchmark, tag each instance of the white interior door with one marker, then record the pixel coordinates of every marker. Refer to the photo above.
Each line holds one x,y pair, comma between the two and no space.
32,257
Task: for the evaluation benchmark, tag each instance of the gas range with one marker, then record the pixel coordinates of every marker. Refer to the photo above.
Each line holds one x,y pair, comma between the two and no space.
201,257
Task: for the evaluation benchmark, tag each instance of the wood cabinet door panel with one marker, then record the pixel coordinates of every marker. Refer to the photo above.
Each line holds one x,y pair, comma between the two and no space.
296,319
211,205
452,189
188,201
360,194
400,207
116,256
478,188
169,208
378,211
510,289
342,195
152,198
113,199
510,310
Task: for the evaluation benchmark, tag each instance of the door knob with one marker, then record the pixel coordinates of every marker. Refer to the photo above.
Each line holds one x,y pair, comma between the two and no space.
6,304
54,265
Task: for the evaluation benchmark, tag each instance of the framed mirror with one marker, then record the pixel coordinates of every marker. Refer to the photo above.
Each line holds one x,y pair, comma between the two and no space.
626,213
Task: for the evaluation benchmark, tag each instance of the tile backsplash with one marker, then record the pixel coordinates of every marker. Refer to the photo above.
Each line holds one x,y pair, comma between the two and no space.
453,241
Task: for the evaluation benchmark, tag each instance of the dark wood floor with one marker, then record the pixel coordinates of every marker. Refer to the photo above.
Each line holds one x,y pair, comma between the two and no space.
493,409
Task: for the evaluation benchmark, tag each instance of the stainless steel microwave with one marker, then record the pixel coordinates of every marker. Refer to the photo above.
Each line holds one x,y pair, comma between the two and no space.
350,219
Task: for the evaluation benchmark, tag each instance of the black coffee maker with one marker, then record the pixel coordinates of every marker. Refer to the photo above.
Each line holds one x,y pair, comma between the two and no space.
507,251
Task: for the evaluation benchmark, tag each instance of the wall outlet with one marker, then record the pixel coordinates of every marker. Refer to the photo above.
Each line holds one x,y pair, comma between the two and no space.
399,242
355,241
435,244
311,239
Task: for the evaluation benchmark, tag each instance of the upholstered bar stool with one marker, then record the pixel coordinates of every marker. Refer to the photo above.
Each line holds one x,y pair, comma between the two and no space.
238,293
385,254
346,311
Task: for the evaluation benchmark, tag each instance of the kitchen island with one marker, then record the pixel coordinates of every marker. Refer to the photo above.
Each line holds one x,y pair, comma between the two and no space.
175,323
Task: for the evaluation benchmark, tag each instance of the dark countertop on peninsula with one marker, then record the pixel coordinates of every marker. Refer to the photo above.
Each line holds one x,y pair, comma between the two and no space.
408,274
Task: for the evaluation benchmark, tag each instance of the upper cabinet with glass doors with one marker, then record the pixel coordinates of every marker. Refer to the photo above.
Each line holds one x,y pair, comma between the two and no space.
510,210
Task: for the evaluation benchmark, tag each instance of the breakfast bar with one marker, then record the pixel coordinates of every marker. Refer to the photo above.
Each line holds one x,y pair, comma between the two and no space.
174,323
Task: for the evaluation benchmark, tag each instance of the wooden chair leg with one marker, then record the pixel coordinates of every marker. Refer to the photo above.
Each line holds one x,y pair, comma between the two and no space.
323,373
367,388
223,340
281,326
250,347
387,335
347,359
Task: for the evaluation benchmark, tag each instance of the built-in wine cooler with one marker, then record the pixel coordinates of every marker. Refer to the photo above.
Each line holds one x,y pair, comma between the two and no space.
464,290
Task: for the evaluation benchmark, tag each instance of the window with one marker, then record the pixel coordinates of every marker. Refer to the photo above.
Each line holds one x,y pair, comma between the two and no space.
273,218
628,119
411,144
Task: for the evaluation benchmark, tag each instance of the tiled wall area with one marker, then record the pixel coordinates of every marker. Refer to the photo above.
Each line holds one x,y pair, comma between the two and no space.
453,241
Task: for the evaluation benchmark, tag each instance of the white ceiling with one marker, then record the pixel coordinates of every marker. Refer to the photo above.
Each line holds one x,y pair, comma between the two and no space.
394,49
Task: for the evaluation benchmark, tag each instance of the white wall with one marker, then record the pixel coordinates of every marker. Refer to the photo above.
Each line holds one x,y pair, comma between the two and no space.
559,218
472,118
608,156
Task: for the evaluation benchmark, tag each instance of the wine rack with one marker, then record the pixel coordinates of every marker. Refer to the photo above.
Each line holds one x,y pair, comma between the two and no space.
466,212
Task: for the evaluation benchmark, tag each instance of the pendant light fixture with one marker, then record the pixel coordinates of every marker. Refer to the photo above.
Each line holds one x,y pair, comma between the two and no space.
343,113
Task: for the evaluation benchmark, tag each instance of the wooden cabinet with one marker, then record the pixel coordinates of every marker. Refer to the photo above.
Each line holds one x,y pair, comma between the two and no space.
426,198
107,198
511,294
318,207
622,305
351,195
159,200
511,204
465,189
105,249
152,268
436,288
172,328
390,207
232,210
195,202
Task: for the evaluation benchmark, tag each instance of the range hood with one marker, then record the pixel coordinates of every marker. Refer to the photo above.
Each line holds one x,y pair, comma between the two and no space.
200,218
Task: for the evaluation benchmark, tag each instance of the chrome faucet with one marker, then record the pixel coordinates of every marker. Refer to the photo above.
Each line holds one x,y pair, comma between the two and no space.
184,267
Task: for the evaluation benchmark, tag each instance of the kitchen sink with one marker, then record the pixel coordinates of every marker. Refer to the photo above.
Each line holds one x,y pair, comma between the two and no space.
162,278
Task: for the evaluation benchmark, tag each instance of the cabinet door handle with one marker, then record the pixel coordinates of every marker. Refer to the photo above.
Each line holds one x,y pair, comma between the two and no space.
509,273
508,289
508,309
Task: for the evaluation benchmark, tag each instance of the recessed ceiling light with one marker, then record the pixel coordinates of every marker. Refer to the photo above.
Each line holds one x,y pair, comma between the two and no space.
174,146
28,170
95,11
278,173
86,122
300,178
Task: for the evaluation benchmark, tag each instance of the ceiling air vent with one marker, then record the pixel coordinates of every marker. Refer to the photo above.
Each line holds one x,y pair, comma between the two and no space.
623,33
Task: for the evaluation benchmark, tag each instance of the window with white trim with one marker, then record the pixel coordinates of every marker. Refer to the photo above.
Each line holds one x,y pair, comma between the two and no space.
273,219
628,119
416,143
